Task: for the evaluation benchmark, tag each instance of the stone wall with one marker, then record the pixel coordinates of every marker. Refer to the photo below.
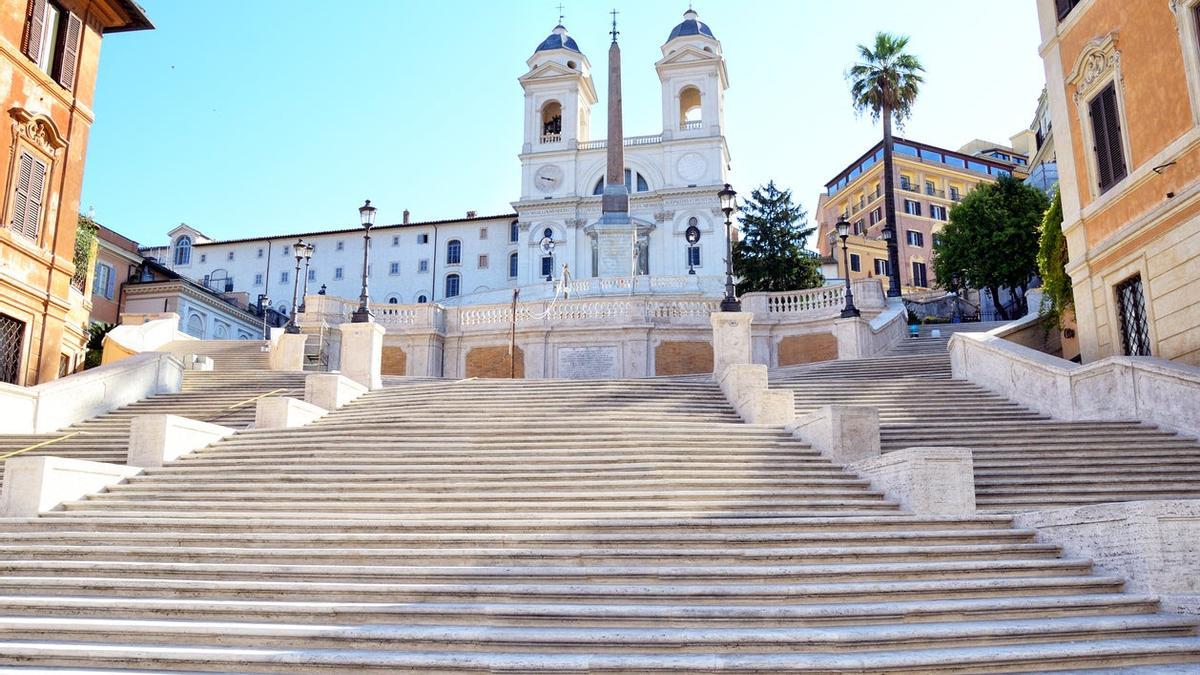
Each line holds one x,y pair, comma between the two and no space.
797,349
683,358
493,362
395,361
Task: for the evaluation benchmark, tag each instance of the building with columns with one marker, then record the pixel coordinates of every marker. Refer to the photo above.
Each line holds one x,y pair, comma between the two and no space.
671,177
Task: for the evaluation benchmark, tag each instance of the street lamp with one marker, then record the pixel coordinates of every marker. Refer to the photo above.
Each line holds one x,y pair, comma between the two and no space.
843,230
366,215
298,249
308,251
692,234
728,204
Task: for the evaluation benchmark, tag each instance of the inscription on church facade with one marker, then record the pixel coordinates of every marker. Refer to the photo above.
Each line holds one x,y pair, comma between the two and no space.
589,363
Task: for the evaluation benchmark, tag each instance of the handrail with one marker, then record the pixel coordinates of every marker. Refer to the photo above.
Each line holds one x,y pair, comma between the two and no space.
43,444
225,411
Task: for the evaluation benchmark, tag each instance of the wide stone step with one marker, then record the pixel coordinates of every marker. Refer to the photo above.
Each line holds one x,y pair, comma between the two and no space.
386,494
583,614
1026,657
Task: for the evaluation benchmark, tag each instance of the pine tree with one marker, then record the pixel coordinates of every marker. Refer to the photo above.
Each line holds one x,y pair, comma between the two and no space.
771,255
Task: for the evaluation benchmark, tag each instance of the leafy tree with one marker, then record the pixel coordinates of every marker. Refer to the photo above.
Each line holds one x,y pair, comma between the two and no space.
885,83
95,344
771,255
991,241
85,248
1057,298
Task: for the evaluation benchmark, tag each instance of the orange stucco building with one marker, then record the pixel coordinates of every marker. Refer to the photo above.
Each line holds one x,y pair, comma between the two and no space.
1124,92
51,51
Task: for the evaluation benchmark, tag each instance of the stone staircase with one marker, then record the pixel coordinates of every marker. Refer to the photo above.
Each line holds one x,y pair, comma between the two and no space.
547,526
226,396
1023,460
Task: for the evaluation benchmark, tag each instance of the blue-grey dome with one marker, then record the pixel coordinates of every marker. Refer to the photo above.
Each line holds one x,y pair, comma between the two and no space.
692,25
558,40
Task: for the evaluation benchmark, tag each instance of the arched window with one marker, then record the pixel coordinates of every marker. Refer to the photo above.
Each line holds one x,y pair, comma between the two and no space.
513,265
422,299
514,232
221,332
454,252
689,108
452,285
552,122
183,250
632,178
393,300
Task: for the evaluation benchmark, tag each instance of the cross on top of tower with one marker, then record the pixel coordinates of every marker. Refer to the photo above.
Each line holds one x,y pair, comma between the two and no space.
560,13
615,33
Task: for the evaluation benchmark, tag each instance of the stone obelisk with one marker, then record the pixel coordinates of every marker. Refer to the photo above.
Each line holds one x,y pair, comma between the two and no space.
613,230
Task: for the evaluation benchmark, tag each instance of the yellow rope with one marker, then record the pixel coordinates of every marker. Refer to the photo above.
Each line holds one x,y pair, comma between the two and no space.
43,444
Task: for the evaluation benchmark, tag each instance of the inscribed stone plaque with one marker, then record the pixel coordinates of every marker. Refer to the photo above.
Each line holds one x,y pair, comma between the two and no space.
588,363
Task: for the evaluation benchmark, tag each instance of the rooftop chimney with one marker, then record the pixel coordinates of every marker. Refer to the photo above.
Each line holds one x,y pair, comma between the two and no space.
470,214
406,216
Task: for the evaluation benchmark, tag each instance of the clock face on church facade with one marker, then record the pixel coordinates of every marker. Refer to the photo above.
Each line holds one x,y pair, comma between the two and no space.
548,178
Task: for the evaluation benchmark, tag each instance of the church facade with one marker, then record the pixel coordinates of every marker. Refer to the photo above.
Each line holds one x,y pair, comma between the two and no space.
672,178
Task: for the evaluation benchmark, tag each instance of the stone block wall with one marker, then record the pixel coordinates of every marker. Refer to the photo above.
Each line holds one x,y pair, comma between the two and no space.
797,349
493,362
683,358
395,361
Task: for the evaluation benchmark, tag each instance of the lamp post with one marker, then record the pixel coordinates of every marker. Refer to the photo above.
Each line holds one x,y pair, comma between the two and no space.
693,237
298,250
308,251
843,230
728,204
263,301
366,215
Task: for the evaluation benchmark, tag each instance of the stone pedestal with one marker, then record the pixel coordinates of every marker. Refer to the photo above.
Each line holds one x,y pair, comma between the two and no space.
362,353
284,412
731,340
155,440
926,481
287,352
331,390
33,485
841,433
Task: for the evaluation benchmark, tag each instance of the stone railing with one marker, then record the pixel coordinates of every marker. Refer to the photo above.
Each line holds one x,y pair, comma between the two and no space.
410,316
632,140
607,311
1139,388
818,302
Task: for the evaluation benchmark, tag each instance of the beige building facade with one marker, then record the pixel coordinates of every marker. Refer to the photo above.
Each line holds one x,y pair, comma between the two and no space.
1123,87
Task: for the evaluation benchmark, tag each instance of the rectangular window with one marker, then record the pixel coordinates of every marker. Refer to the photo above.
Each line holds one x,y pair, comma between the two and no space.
284,276
547,266
483,233
1106,130
937,240
340,245
875,217
229,256
514,233
28,195
860,226
423,266
452,285
881,267
312,275
855,263
693,256
1064,7
203,257
422,238
102,283
956,162
905,183
930,189
258,280
937,211
337,273
51,39
394,268
260,253
395,240
919,277
916,238
483,261
954,193
1131,312
912,208
513,265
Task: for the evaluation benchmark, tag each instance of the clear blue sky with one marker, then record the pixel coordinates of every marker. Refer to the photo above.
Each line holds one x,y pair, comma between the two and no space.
245,117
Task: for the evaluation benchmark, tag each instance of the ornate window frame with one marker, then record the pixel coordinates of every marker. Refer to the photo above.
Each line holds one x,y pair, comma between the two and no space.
1189,44
36,134
1098,65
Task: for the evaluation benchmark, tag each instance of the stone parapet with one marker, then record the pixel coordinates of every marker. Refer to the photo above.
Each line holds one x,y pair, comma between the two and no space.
33,485
1139,388
730,340
1155,545
745,387
155,440
362,353
287,351
331,391
936,481
842,433
864,337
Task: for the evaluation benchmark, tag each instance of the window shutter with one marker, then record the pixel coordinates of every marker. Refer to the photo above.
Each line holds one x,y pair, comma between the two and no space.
21,193
1112,122
70,52
33,205
1099,131
35,24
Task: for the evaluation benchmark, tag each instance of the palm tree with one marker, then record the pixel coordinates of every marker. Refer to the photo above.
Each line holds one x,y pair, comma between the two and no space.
885,82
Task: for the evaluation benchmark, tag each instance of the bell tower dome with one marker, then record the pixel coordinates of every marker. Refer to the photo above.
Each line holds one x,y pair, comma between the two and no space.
694,80
559,94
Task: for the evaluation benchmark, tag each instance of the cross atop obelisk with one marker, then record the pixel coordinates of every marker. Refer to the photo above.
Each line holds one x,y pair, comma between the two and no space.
614,206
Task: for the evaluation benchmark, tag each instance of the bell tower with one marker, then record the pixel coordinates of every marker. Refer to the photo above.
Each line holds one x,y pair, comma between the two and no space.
694,80
559,95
